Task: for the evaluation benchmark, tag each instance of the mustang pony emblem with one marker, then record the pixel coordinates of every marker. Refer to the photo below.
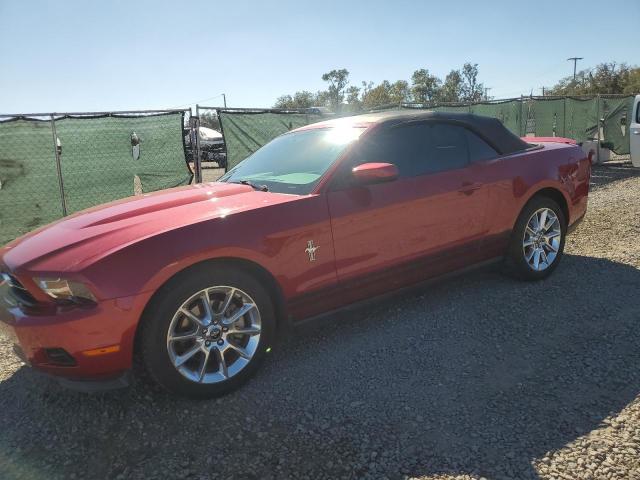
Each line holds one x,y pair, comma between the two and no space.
311,250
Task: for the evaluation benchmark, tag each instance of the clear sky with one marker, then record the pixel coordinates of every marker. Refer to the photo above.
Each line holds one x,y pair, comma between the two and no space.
105,55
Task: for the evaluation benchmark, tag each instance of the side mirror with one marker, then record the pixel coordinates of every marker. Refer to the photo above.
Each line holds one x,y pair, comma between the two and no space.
369,173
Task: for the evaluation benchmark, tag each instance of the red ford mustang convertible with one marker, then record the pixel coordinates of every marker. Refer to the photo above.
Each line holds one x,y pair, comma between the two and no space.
197,280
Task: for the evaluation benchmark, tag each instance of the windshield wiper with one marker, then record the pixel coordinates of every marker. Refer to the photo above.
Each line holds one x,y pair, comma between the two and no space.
262,188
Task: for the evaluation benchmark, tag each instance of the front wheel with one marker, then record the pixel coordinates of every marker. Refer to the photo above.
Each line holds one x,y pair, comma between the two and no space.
208,332
537,240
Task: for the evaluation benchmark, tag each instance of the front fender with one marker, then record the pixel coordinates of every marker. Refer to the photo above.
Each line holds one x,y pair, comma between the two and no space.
146,265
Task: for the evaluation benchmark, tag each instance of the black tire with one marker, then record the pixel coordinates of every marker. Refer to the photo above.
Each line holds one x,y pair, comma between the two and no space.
158,317
515,261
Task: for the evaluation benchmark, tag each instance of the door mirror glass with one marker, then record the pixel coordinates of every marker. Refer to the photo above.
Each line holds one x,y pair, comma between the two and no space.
369,173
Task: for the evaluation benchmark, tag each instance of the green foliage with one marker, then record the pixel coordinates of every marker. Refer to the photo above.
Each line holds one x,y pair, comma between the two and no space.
377,96
632,83
338,81
210,120
604,78
424,86
400,92
301,99
471,90
451,90
386,93
461,85
353,99
323,99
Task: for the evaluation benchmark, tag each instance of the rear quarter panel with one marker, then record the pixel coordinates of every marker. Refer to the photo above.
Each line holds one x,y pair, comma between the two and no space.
515,179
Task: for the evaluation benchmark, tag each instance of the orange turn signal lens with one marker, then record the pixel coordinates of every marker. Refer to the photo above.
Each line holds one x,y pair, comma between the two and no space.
101,351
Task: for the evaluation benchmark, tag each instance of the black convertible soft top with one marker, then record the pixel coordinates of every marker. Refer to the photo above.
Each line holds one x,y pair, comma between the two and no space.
491,129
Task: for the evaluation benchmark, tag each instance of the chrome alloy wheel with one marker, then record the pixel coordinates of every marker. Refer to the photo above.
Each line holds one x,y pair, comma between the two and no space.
541,241
214,334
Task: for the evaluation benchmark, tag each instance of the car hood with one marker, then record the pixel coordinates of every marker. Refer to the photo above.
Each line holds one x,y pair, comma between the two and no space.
74,241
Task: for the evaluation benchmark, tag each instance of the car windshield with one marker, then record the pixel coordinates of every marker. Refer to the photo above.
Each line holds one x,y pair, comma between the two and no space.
294,162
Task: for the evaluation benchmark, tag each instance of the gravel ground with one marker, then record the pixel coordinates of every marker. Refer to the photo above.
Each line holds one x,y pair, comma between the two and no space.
211,174
481,376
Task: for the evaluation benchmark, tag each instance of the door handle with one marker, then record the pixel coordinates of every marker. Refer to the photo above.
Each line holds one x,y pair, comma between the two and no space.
469,187
636,132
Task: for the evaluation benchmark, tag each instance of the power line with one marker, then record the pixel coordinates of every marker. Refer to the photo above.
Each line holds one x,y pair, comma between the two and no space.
205,100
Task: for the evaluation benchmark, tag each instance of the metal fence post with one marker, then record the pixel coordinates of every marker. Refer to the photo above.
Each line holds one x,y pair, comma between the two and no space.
58,165
564,117
197,163
522,123
598,128
224,139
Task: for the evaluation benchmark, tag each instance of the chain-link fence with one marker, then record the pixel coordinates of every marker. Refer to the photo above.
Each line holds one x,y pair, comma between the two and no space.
55,164
52,165
245,130
603,118
600,118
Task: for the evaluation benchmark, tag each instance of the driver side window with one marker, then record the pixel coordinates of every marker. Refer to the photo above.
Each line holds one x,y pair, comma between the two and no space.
406,146
418,148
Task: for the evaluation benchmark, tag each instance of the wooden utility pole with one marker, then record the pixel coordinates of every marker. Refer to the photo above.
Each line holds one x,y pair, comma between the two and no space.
575,61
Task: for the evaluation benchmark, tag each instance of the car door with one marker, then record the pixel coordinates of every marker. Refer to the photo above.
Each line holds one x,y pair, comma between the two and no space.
452,200
390,234
635,133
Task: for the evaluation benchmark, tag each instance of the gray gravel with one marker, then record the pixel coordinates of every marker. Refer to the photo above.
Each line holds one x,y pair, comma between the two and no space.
480,376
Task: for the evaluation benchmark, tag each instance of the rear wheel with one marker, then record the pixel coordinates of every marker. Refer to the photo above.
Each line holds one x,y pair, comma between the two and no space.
208,333
537,241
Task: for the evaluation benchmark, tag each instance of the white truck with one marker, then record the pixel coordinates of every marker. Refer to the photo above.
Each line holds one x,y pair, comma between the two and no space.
635,133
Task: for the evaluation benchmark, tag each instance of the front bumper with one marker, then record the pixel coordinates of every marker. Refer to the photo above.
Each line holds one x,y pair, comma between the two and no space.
99,339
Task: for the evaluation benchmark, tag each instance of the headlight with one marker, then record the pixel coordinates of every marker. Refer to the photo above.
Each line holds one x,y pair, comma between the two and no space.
62,289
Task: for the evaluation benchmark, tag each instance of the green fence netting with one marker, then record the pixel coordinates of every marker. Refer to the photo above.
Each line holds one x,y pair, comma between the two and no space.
581,118
97,163
508,112
571,117
548,117
616,113
247,131
29,189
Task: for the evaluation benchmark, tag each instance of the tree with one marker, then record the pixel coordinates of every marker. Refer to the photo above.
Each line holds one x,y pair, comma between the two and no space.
210,120
451,88
386,93
632,83
284,101
471,90
377,96
366,87
424,86
399,92
323,99
603,78
353,99
301,99
338,80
